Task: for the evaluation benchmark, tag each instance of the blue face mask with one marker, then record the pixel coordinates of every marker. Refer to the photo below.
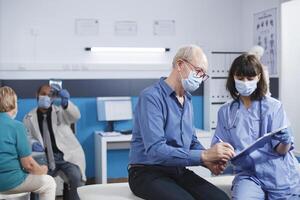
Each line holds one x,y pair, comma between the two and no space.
245,88
44,102
191,83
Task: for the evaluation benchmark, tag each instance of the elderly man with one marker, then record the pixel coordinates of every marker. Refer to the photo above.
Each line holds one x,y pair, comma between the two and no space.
164,140
49,130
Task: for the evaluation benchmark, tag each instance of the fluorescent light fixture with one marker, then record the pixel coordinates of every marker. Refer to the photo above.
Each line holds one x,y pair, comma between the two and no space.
127,49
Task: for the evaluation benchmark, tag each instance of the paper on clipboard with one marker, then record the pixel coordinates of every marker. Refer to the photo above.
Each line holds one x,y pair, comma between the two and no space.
257,144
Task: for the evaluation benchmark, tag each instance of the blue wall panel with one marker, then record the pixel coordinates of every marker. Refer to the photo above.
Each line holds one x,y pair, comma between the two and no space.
88,124
117,161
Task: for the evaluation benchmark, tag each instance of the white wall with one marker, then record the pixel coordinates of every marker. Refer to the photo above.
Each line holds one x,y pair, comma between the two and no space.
249,8
290,73
39,35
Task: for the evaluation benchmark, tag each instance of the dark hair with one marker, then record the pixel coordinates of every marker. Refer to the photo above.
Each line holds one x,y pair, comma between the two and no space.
39,90
247,65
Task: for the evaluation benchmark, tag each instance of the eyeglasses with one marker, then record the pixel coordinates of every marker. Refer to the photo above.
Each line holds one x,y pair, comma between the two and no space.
199,71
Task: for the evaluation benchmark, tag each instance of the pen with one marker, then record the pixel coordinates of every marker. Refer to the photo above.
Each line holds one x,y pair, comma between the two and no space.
219,139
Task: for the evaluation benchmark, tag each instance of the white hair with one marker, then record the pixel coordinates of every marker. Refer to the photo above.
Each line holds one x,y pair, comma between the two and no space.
257,51
186,53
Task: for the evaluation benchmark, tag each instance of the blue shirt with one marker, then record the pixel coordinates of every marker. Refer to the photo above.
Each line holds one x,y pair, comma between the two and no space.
240,126
163,131
13,146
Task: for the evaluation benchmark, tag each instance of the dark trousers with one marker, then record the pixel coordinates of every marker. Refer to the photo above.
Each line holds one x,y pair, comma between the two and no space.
71,171
73,174
174,183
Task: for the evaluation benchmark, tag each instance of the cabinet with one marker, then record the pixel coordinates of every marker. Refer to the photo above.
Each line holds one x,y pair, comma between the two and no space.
215,93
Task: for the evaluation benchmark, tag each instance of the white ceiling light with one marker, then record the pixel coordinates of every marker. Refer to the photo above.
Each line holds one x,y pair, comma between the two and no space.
127,49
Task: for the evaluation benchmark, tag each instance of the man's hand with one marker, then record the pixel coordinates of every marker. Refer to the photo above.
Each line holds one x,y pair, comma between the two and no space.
44,169
219,152
216,167
32,167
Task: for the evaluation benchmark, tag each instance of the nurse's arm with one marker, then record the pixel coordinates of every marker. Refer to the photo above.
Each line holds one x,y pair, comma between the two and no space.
32,167
283,148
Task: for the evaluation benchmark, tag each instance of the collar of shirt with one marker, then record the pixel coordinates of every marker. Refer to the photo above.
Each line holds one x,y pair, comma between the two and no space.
168,90
4,115
40,113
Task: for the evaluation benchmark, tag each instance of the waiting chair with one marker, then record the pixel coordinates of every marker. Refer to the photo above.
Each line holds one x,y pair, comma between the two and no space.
18,196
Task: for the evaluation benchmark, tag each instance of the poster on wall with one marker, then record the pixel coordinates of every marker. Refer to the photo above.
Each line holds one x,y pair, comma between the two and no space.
126,28
265,35
164,27
86,27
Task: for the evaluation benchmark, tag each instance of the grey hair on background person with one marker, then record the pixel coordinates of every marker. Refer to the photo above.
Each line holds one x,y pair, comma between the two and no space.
257,51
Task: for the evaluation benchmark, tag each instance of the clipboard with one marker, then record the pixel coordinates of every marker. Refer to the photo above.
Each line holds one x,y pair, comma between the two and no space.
260,142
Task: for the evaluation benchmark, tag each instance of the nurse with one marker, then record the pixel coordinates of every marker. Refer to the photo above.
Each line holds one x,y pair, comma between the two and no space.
272,171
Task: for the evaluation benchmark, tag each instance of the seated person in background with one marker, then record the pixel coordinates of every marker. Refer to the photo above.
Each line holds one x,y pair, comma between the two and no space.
258,52
272,171
18,170
164,141
49,129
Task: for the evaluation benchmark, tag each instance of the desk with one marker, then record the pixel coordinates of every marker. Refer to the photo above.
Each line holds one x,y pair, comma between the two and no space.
102,144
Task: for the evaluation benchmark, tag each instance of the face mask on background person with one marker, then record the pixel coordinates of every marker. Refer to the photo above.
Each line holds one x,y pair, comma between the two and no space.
191,83
44,102
245,88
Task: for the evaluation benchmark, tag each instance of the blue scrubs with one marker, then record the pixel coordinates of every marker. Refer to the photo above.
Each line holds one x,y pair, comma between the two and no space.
264,173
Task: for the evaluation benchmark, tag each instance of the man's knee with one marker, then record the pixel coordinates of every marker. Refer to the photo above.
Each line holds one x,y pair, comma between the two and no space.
75,178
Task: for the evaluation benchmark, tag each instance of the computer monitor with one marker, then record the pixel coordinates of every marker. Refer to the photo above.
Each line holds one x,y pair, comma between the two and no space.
112,109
